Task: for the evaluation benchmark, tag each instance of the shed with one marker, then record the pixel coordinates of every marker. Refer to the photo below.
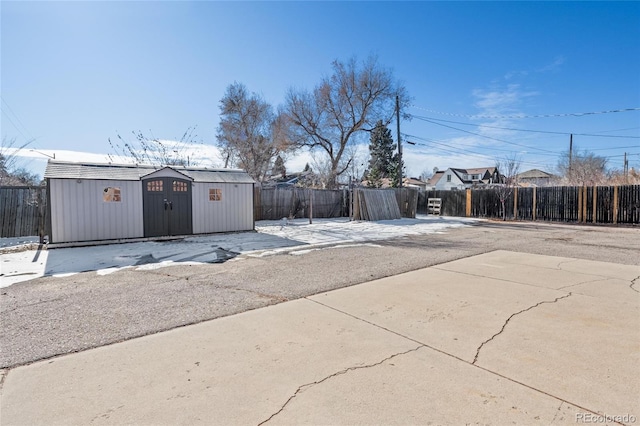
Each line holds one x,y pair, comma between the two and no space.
95,202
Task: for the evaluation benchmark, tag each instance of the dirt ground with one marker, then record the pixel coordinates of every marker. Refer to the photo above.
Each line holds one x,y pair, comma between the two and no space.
50,316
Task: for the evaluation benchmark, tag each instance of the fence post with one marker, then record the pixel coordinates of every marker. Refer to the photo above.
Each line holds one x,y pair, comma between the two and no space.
615,204
310,206
515,203
468,206
533,213
584,204
595,204
580,205
41,211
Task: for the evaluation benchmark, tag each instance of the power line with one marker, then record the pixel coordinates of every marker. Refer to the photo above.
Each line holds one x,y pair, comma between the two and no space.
614,147
17,128
453,150
491,148
524,130
18,120
520,116
488,137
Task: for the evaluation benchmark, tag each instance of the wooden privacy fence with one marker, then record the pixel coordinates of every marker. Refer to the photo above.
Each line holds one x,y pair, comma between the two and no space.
453,203
407,199
276,203
292,202
599,204
22,211
375,204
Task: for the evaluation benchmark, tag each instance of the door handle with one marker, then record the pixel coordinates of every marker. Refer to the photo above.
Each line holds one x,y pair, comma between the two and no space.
171,205
166,204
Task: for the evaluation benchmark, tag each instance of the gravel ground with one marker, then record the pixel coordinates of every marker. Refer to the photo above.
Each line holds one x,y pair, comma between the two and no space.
50,316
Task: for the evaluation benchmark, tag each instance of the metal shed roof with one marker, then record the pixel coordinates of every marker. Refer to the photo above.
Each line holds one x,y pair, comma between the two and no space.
97,171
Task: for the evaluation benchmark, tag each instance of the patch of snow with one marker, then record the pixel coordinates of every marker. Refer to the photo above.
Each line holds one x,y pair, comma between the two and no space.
293,236
18,241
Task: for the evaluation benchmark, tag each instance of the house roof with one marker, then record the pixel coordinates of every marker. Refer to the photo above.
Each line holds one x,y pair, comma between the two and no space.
435,178
482,171
414,182
106,171
535,174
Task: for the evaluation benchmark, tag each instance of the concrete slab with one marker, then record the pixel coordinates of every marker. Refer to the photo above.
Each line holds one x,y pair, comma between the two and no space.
234,370
450,311
607,288
537,270
590,267
584,349
423,387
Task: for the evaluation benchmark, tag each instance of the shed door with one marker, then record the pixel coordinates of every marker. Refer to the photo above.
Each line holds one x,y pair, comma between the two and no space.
167,207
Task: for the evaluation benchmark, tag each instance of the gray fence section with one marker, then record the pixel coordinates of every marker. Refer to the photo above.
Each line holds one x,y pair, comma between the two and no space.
276,203
374,204
22,211
453,202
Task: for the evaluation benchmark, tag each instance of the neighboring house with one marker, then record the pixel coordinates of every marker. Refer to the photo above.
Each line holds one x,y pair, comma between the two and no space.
535,177
92,202
407,182
410,182
306,179
433,180
454,178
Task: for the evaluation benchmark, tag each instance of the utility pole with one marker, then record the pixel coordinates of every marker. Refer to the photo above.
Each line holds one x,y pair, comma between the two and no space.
626,169
570,153
399,144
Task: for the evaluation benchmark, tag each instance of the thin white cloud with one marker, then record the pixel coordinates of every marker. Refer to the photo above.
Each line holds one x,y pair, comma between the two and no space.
500,101
551,67
554,66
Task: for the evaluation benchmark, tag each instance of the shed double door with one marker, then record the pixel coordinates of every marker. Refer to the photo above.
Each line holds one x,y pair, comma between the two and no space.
166,207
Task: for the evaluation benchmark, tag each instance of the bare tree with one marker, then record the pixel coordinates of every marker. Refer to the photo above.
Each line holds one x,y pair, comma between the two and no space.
507,170
343,105
250,135
151,150
582,168
10,173
427,174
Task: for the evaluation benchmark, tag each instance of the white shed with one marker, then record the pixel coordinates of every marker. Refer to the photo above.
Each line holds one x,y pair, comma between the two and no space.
94,202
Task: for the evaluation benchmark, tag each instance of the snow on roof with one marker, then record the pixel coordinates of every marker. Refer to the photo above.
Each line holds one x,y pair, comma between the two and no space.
106,171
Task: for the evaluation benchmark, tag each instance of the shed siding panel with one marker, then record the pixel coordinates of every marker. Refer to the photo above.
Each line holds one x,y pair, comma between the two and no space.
233,213
79,213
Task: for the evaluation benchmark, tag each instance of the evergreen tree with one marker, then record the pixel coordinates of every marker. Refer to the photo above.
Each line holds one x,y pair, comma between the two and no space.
279,168
374,179
393,171
381,150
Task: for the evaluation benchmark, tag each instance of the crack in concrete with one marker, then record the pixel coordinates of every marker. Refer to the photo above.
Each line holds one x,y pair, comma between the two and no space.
433,348
346,370
475,359
583,282
633,282
557,412
563,262
3,376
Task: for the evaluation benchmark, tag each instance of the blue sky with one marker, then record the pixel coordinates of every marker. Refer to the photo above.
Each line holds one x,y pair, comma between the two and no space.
77,73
